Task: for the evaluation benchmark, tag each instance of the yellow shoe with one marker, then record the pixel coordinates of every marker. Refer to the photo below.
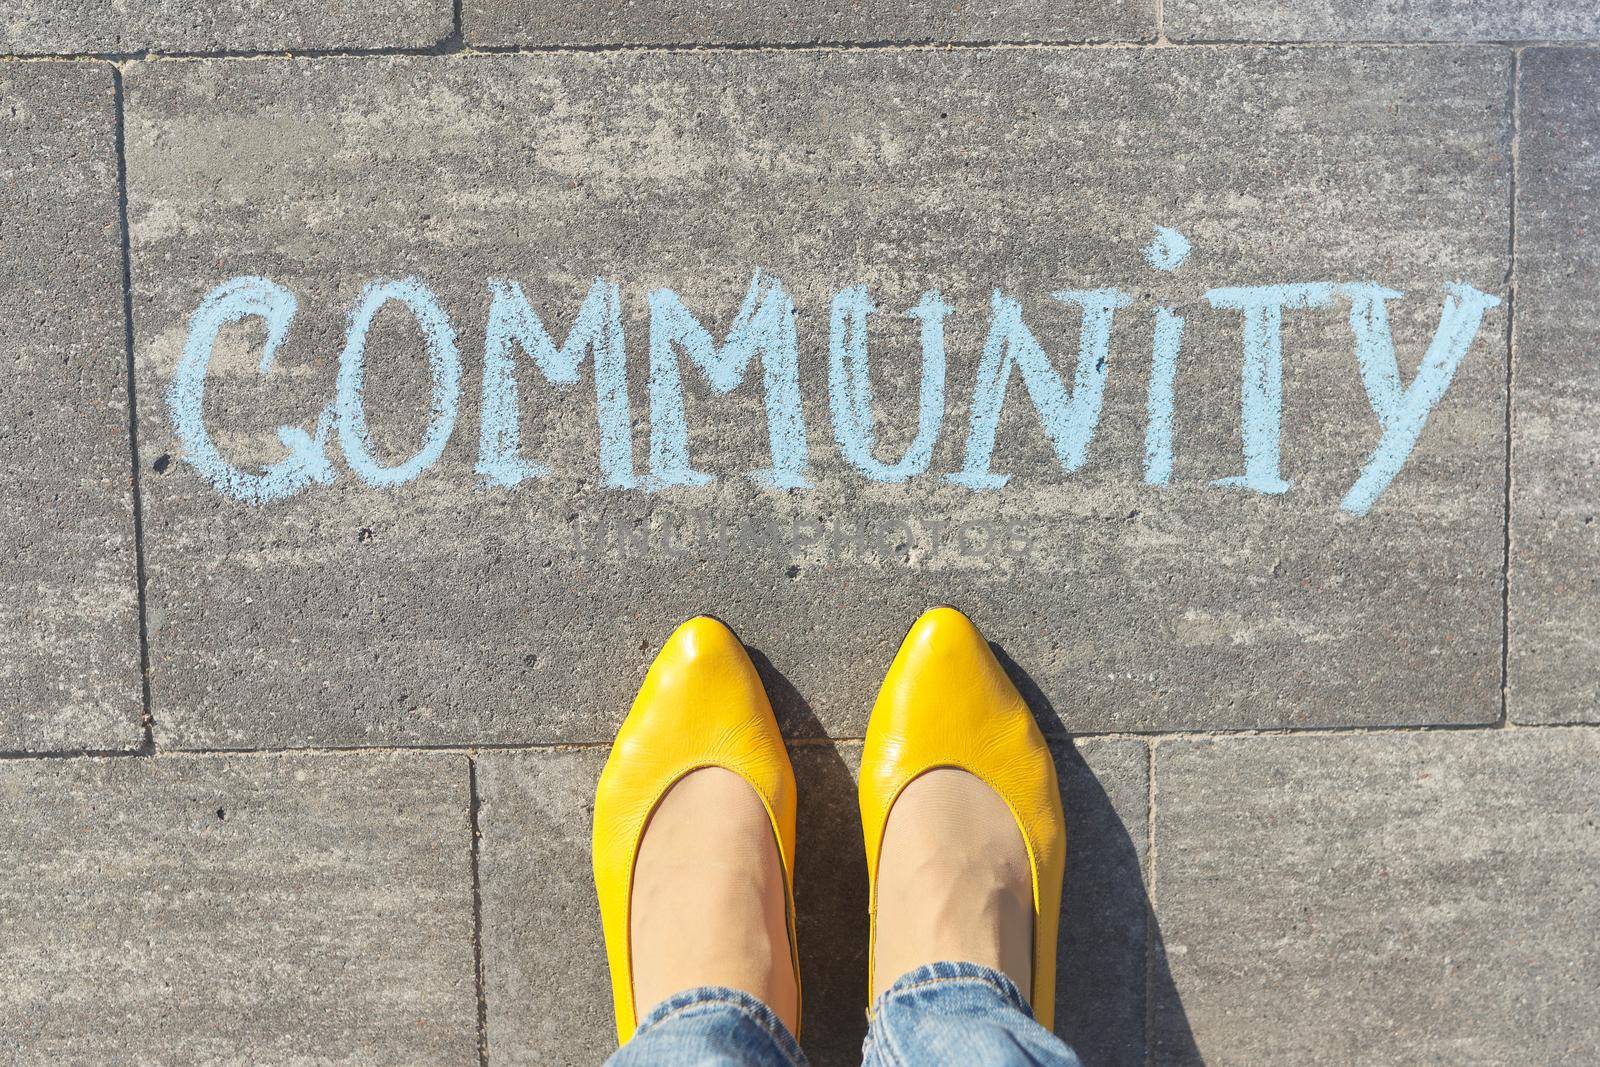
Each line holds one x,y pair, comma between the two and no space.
701,705
946,702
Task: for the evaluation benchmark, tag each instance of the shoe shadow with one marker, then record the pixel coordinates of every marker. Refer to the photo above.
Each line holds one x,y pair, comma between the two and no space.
831,901
830,877
794,713
1114,988
1116,1002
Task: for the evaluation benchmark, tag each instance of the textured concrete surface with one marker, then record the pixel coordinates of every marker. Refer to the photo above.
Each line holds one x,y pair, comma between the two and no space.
1101,956
442,612
1383,20
34,27
496,23
69,636
1373,895
200,910
1387,898
544,959
1554,653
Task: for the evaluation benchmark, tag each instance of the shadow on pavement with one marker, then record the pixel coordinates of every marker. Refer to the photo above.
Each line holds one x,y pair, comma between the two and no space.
1112,966
1115,999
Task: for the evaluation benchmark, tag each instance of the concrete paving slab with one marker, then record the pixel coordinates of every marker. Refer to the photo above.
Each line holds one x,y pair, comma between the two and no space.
1101,955
544,961
500,23
1554,646
213,909
440,610
1390,20
60,27
69,638
546,980
1380,898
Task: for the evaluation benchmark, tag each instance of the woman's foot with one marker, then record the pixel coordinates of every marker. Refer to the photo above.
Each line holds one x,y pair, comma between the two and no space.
709,907
953,882
961,816
694,870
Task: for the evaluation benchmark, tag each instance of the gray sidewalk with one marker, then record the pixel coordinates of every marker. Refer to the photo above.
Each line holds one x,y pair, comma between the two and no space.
308,779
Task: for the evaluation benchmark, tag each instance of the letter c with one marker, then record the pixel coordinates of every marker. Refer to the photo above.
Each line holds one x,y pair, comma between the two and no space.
233,301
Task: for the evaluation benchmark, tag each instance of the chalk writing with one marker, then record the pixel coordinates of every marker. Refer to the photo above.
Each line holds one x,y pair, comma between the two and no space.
1168,250
1158,399
1262,403
765,324
514,324
443,361
307,461
850,387
1069,420
764,330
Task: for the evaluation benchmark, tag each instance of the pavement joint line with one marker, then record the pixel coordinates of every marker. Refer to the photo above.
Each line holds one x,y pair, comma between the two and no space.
473,750
1375,42
458,38
1150,816
447,48
1151,928
473,808
146,718
1515,94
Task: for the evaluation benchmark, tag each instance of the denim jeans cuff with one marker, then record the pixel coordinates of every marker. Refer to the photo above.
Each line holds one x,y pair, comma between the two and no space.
954,971
751,1007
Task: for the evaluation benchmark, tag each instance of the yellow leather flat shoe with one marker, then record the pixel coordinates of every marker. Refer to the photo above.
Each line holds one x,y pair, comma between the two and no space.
702,705
947,702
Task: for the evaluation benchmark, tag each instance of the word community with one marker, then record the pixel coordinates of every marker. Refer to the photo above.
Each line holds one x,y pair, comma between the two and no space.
764,330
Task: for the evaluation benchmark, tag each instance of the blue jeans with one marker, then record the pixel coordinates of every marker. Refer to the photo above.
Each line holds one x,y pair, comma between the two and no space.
940,1013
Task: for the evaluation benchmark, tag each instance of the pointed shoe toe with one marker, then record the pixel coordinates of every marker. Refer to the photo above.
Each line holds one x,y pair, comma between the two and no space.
702,704
947,702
